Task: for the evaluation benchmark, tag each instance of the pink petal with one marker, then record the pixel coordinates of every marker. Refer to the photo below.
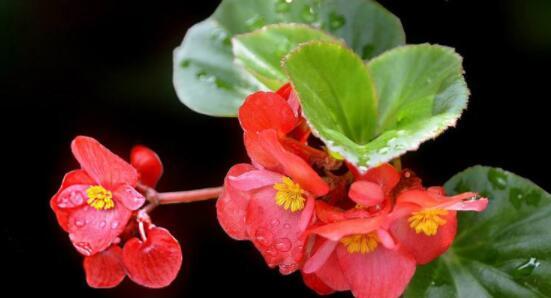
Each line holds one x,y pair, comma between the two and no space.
315,283
422,247
105,269
153,263
254,179
275,231
129,197
231,206
307,213
332,274
383,273
92,231
101,164
320,255
366,193
71,178
476,205
72,196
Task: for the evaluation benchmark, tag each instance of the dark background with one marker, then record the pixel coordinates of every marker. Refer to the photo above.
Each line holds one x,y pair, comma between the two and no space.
103,68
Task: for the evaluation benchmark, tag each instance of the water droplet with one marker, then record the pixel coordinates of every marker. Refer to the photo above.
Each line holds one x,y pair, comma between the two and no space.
367,51
80,223
283,6
272,251
275,222
309,14
102,224
76,198
84,248
526,268
336,21
202,75
497,178
255,22
287,226
221,37
264,237
515,197
114,225
185,63
283,244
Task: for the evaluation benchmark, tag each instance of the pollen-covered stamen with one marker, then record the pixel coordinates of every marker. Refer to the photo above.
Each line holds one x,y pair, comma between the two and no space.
361,243
427,221
99,197
289,195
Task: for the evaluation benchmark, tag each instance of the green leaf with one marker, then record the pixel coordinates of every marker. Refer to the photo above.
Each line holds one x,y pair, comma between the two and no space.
207,80
504,251
420,91
261,51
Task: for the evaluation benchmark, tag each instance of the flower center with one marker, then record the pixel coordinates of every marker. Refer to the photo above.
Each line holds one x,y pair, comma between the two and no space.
427,221
361,243
289,195
99,197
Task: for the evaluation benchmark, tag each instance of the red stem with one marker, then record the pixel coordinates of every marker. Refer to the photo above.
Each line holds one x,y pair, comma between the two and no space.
196,195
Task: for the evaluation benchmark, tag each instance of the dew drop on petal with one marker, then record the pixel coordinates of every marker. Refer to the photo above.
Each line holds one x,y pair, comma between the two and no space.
84,248
283,244
264,237
114,225
287,226
526,268
102,224
80,223
275,222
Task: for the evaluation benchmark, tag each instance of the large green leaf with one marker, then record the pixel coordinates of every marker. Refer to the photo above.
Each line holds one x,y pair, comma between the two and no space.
207,80
261,51
420,91
504,251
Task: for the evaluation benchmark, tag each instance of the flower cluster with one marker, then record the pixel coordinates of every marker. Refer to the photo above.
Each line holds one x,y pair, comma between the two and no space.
306,210
99,207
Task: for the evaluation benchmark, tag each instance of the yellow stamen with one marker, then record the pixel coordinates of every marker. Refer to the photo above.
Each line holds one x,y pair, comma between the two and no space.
99,198
289,195
427,221
361,243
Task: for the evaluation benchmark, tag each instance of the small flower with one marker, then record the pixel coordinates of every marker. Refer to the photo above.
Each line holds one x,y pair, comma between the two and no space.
95,202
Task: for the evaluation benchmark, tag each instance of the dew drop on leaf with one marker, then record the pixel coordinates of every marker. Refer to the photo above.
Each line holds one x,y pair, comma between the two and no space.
497,179
526,268
255,22
309,14
336,21
282,6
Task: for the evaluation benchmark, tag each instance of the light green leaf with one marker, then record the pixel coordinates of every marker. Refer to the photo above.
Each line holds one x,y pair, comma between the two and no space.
207,80
261,51
420,91
504,251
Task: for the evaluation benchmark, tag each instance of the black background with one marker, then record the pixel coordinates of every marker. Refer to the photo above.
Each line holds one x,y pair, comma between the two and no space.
103,68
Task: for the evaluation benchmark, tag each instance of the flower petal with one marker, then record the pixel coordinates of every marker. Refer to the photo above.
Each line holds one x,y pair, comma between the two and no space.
292,165
275,231
129,197
148,164
385,175
315,283
422,247
320,253
105,269
71,178
231,206
153,263
366,193
383,273
254,179
335,231
101,164
92,231
266,110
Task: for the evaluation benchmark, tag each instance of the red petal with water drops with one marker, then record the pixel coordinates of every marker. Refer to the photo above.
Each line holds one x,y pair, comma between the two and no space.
129,197
101,164
366,193
71,178
275,231
105,269
148,164
92,230
425,248
382,273
231,206
266,110
155,262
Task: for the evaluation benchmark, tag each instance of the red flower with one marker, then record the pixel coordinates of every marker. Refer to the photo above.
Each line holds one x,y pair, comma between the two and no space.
427,223
271,202
95,203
